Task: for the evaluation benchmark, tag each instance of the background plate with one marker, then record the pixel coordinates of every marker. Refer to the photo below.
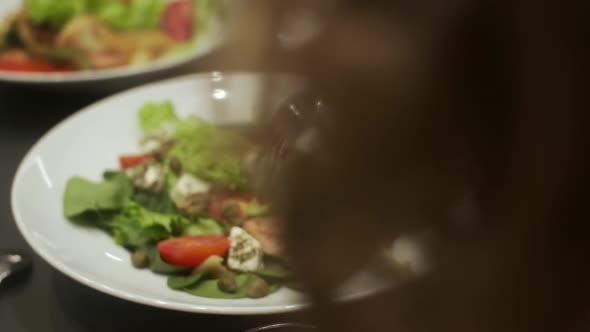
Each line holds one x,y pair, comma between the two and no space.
206,42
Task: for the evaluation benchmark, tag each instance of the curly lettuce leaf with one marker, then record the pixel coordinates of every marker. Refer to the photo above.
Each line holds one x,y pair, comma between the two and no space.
210,153
153,116
205,11
53,13
138,14
205,151
136,226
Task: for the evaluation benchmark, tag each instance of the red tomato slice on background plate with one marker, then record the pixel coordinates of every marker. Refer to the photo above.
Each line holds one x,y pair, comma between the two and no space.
178,21
20,61
191,251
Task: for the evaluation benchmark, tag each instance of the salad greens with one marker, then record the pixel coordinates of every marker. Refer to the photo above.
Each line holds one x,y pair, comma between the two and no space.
153,116
203,150
83,196
53,13
164,200
157,265
138,14
119,14
209,288
203,227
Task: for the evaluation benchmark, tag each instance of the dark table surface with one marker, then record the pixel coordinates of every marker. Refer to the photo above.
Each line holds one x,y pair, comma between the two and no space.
45,299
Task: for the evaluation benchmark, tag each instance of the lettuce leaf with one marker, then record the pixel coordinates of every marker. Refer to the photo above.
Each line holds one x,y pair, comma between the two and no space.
205,12
83,196
136,226
204,226
157,202
153,116
138,14
53,13
208,152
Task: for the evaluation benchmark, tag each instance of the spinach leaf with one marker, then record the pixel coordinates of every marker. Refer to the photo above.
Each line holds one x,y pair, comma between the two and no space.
208,288
274,270
127,232
180,282
204,226
157,202
157,265
82,195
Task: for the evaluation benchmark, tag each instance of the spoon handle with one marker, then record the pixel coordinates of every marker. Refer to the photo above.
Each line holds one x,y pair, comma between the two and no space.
4,271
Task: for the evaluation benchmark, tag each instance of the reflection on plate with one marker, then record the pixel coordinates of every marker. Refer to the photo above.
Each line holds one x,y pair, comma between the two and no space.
87,142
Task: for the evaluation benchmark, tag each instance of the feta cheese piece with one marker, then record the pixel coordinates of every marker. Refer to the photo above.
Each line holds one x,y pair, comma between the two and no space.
190,194
158,139
150,145
148,176
245,252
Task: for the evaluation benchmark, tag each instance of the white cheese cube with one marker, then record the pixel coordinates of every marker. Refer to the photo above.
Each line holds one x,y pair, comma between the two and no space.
190,194
245,252
188,185
147,176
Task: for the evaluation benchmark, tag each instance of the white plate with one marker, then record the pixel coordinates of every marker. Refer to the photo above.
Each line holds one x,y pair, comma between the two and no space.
205,43
86,144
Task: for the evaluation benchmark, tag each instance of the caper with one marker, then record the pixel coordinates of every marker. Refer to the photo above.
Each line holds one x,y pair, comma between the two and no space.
140,259
227,283
232,212
175,166
159,156
257,288
213,267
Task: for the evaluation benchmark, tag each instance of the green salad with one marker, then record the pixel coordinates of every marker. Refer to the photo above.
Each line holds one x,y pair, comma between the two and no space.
51,36
184,208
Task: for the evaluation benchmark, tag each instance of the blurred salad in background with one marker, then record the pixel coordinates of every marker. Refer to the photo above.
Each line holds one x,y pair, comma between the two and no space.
57,35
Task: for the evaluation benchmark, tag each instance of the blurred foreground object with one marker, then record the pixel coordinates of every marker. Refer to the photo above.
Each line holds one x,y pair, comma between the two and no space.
463,120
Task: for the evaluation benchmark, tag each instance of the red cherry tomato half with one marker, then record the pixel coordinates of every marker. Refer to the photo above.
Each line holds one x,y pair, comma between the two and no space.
133,160
218,198
191,251
178,21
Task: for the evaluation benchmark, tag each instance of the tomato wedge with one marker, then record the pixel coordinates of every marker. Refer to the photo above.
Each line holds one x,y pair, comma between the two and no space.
128,161
191,251
178,21
32,65
218,199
